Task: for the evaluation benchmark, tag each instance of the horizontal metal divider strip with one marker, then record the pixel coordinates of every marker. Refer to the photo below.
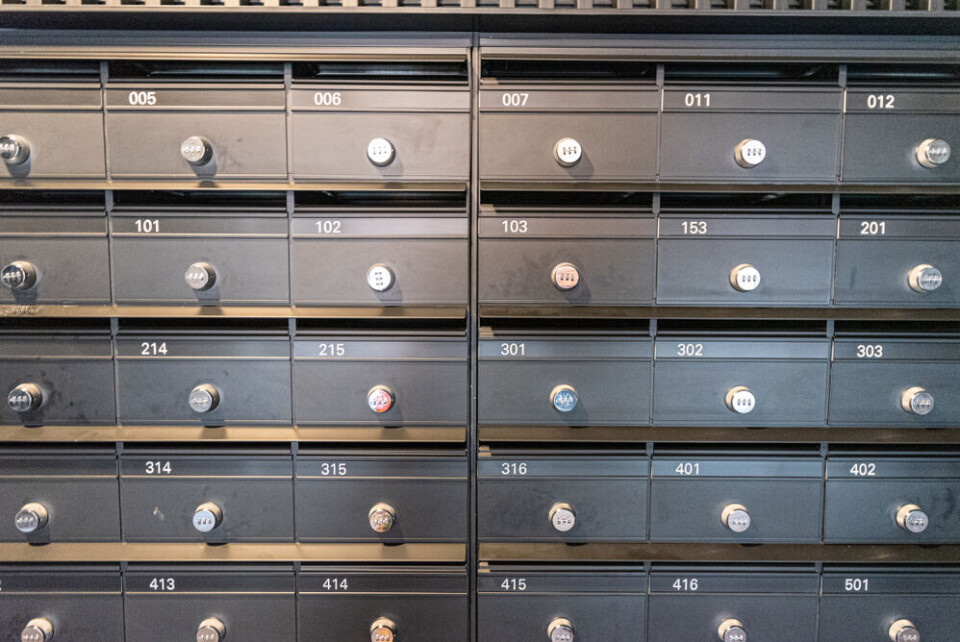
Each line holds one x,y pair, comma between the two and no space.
211,435
644,434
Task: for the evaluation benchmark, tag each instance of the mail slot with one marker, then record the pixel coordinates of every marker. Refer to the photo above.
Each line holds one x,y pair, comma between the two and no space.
524,603
564,380
380,258
901,125
58,495
388,497
426,604
898,498
53,255
352,381
52,120
75,602
208,254
396,126
712,380
555,128
750,123
196,120
239,602
537,258
206,495
733,603
889,380
880,602
56,379
898,258
551,496
749,496
781,256
203,379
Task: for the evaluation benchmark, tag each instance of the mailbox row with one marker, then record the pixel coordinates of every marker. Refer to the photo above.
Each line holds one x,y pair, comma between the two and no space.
524,380
528,131
744,495
695,603
695,258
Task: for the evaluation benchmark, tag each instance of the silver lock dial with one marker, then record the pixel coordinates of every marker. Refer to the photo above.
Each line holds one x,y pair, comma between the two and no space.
14,150
731,630
382,517
19,275
735,517
380,278
745,278
563,517
912,519
204,398
560,630
211,630
924,278
740,400
933,152
31,518
917,401
384,630
200,276
903,631
380,399
37,630
564,398
207,517
196,150
565,276
381,152
567,152
26,397
750,153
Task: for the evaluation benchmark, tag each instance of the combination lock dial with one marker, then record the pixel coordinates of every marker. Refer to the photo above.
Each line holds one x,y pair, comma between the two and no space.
380,399
925,278
204,398
903,631
14,150
745,278
31,518
196,150
560,630
916,401
19,275
911,519
731,630
200,276
380,278
749,153
740,400
384,630
565,276
563,517
735,517
207,517
567,152
381,152
37,630
26,397
382,517
933,152
564,398
211,630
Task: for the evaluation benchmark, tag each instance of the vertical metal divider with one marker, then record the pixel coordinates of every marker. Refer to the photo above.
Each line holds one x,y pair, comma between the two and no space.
473,321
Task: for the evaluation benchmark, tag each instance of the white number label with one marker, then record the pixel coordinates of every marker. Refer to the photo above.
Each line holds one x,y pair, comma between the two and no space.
689,349
514,99
856,584
142,98
331,350
512,349
869,351
158,468
336,584
163,584
686,584
327,98
880,101
873,228
147,225
328,227
513,468
515,226
152,348
687,468
333,469
697,100
694,227
864,470
514,584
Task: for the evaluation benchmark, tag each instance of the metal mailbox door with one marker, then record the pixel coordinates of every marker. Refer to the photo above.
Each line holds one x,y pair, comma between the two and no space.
206,495
562,497
381,496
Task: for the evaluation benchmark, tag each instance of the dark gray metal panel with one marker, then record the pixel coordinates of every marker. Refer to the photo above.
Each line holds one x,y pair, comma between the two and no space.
522,618
80,509
63,144
882,147
334,272
864,617
161,617
332,617
429,146
695,618
248,270
92,618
